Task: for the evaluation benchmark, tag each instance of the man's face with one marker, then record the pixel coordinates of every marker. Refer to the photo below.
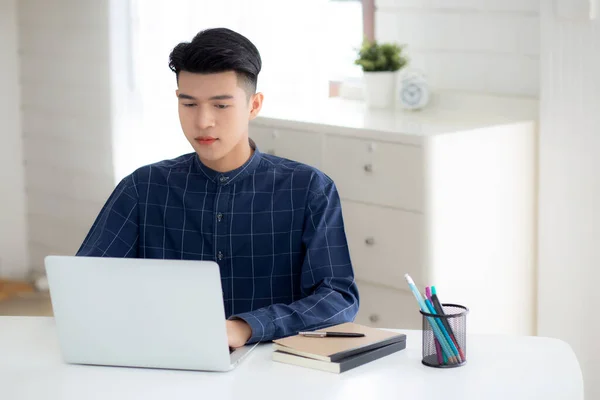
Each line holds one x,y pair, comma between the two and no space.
214,112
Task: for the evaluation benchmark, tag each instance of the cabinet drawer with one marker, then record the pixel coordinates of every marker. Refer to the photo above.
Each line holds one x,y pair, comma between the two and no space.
301,146
263,137
384,243
382,307
375,172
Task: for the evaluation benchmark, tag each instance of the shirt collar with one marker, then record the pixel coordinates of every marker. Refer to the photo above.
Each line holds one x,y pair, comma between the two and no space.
226,178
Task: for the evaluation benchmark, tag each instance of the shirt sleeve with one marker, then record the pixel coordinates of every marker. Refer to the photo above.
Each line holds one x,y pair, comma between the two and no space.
327,281
115,230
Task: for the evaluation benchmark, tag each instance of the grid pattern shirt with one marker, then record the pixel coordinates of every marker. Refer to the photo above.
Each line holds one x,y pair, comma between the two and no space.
273,226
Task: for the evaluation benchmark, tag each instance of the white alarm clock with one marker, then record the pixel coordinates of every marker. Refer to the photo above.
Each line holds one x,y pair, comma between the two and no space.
412,90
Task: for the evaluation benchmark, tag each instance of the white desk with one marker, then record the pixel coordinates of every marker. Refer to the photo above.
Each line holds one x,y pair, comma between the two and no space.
499,367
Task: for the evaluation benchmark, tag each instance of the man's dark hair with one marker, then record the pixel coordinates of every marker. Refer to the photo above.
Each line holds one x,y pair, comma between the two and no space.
218,50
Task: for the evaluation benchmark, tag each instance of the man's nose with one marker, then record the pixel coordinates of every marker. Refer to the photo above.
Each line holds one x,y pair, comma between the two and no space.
205,118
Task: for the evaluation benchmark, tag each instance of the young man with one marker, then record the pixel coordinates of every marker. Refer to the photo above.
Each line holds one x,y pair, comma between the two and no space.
274,226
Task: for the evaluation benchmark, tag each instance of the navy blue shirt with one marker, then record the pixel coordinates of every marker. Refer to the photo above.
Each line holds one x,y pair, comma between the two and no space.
274,227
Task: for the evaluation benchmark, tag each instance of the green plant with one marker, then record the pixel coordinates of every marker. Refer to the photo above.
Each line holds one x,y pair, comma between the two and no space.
375,57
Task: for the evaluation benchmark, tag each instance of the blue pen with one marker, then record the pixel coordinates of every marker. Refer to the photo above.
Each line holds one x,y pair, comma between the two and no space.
443,329
436,330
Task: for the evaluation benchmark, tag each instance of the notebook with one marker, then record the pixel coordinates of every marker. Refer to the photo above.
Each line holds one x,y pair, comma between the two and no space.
342,365
330,349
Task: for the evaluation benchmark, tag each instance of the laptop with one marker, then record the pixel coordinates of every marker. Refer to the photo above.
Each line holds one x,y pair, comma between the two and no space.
141,313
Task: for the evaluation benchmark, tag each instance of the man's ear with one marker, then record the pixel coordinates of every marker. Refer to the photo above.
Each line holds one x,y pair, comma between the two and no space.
177,93
255,105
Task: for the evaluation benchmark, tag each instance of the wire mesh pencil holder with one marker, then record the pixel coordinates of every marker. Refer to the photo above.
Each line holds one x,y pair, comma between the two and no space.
445,337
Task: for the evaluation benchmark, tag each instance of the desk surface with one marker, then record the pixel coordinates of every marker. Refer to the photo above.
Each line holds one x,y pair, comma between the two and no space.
499,367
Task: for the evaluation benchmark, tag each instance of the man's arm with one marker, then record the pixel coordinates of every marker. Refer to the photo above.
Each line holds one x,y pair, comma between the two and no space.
115,230
327,277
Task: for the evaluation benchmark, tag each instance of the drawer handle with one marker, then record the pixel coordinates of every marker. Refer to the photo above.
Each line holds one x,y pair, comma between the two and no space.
370,241
368,167
271,152
374,318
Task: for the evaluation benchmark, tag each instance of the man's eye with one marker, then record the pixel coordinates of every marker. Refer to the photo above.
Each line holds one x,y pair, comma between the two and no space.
221,106
189,105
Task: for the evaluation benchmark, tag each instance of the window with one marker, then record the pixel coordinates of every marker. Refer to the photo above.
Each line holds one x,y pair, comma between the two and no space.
343,33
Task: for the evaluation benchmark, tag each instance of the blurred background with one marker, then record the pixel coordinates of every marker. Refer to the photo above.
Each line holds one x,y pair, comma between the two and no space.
86,97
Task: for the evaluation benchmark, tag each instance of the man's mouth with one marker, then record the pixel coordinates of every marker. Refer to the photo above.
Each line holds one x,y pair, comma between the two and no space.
205,140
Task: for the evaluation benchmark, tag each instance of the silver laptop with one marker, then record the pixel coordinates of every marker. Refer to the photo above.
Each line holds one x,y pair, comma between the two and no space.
141,313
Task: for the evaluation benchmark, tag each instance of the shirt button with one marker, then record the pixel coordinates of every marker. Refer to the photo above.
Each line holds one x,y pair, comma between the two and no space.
219,217
220,255
224,179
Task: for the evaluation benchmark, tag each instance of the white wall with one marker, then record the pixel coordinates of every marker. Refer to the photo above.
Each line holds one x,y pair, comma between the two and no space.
483,46
66,120
13,226
569,214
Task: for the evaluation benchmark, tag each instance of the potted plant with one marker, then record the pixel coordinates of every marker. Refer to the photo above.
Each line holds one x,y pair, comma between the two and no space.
380,63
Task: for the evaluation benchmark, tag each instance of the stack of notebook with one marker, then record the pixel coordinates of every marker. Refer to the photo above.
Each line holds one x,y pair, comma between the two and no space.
338,354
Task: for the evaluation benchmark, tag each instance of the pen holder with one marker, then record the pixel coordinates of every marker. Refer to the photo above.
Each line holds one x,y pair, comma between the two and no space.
445,337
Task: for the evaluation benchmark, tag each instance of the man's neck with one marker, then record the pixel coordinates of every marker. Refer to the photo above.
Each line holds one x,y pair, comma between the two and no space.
237,157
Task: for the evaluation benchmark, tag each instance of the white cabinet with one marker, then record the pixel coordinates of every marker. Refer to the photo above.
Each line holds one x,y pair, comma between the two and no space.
292,144
383,307
376,172
447,198
384,243
264,137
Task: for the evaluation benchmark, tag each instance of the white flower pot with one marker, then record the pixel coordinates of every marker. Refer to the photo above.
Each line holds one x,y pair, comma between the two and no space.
379,89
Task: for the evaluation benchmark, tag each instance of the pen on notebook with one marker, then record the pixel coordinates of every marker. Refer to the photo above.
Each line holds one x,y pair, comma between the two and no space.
440,310
434,327
330,334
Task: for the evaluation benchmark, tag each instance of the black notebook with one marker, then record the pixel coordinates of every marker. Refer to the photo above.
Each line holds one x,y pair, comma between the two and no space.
342,365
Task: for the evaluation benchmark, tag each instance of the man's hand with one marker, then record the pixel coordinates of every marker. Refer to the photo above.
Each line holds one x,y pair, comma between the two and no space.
238,332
